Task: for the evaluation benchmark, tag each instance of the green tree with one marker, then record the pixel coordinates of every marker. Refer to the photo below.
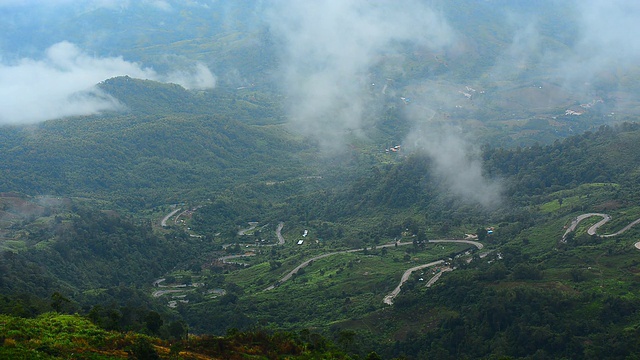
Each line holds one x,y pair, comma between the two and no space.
58,301
178,330
482,234
153,321
142,349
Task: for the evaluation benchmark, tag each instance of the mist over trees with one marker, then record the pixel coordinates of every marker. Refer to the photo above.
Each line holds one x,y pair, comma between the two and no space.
333,179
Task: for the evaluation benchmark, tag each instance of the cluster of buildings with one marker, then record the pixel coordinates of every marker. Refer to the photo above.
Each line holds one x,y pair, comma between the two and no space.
304,235
393,149
574,112
583,108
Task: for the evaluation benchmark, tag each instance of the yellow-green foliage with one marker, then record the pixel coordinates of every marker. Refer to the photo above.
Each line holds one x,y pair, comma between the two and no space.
53,336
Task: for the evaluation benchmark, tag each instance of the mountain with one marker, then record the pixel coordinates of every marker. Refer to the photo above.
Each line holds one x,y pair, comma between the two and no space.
335,179
168,146
542,281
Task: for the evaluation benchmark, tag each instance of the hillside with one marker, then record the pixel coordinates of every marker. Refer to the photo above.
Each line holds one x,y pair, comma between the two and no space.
159,153
145,97
530,267
342,179
545,187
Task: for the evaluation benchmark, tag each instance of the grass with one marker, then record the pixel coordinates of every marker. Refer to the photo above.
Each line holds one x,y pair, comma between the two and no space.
369,265
13,245
554,205
575,197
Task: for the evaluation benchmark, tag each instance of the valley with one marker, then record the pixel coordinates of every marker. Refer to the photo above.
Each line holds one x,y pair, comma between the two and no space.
331,180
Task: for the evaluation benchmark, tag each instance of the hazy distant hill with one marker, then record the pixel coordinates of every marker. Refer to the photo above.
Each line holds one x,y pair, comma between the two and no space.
163,35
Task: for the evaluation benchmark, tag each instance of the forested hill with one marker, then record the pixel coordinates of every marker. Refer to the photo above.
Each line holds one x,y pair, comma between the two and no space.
608,155
147,97
144,156
144,97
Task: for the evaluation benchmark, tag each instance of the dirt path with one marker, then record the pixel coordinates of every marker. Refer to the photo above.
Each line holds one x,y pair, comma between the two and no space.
166,218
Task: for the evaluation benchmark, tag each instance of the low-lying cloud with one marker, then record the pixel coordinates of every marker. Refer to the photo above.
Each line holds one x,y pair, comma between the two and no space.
63,84
456,161
607,43
601,45
328,49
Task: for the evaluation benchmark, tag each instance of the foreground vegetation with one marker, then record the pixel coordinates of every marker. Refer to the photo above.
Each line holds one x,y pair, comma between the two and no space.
55,336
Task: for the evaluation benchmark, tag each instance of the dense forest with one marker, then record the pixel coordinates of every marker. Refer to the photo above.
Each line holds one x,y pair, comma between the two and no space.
537,296
338,180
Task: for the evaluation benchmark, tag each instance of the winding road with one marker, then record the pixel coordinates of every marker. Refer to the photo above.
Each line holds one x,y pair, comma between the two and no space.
252,225
437,276
309,261
594,228
389,298
229,257
166,218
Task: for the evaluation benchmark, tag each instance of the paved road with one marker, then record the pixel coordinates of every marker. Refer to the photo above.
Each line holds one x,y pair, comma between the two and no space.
593,230
637,221
164,220
307,262
471,242
229,257
576,221
159,293
437,276
252,225
389,298
279,233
